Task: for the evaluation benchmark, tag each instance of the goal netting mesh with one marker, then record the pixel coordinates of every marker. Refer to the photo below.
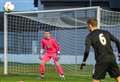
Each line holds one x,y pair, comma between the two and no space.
110,20
68,26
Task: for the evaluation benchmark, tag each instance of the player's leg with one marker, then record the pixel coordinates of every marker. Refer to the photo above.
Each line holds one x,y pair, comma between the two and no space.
99,72
42,68
96,80
44,59
58,66
114,71
117,79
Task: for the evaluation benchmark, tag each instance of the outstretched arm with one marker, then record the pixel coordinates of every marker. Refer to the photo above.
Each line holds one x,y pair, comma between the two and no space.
86,53
87,48
117,42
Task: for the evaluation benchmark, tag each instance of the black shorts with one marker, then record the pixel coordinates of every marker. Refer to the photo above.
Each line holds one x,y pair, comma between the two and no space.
102,68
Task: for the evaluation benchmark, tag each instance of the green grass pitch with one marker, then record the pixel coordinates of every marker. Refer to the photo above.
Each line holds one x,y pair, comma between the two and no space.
30,73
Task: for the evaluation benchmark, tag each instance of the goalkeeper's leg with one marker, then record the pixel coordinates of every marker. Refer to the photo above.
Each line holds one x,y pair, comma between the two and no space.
42,69
44,59
58,66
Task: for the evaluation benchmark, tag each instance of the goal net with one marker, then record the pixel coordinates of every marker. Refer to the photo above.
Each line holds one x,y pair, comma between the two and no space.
110,20
23,33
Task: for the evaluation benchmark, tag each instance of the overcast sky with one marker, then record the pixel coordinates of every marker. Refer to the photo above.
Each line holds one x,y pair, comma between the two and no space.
20,5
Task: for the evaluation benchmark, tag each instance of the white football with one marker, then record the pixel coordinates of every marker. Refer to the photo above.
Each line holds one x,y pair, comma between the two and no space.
9,6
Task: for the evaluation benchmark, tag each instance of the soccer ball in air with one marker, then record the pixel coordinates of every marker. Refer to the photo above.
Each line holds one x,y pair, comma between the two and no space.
9,7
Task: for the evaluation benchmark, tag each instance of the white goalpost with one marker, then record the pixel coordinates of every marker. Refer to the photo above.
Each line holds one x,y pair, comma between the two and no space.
23,32
5,46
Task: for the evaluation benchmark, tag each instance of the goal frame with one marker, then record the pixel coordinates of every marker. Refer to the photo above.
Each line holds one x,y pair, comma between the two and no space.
28,12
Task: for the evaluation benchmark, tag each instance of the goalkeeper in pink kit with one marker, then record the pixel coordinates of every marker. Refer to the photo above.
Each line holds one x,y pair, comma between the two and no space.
49,50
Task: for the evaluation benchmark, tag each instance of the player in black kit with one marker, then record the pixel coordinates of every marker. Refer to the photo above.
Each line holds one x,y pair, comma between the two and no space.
101,40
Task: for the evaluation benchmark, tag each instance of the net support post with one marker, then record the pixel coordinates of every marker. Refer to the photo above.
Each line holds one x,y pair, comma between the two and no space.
5,45
98,17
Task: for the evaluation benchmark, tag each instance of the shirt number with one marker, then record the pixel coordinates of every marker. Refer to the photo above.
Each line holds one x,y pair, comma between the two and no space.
102,39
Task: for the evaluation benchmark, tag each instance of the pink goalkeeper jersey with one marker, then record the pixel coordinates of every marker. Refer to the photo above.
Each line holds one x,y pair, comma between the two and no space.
50,45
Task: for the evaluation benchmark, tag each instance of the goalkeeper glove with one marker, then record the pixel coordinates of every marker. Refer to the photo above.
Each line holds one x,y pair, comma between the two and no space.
58,52
119,57
82,65
41,53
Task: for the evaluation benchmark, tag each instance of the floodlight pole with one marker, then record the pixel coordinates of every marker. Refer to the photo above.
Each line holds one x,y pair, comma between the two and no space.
40,5
90,3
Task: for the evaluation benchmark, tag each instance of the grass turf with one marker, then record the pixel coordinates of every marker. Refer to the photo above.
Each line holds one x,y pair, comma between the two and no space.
49,78
30,73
